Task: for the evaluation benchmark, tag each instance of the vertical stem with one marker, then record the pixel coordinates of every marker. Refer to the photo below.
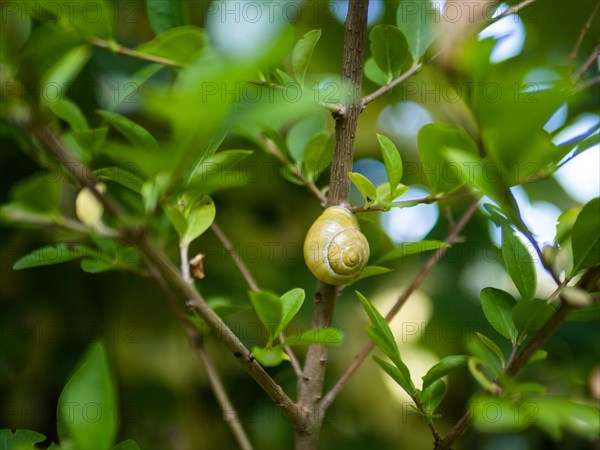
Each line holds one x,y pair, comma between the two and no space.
310,384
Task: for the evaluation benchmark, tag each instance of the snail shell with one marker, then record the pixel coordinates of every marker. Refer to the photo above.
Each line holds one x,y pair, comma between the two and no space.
335,250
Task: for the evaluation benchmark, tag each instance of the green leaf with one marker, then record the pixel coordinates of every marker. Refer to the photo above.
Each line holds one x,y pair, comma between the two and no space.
129,444
301,133
183,45
519,263
20,440
371,271
53,254
384,194
497,306
397,375
392,161
444,175
325,336
377,320
419,21
389,49
364,186
165,14
555,414
66,69
269,357
291,302
91,140
199,213
492,346
539,355
120,176
585,238
302,53
391,351
68,111
269,309
411,248
211,170
374,73
474,364
136,134
500,415
584,315
318,155
87,407
39,193
531,315
432,396
443,368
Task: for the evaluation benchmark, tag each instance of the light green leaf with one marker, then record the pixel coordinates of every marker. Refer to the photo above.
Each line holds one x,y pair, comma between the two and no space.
135,133
364,186
519,263
419,21
371,271
411,248
585,238
200,213
68,111
318,155
165,14
374,73
87,407
53,254
66,69
377,320
301,133
497,306
91,140
302,53
183,45
129,444
396,375
291,302
269,310
269,357
389,49
325,336
443,368
432,396
392,161
500,415
531,315
211,170
492,346
120,176
474,367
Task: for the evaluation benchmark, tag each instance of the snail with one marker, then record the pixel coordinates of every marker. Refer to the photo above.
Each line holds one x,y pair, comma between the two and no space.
335,250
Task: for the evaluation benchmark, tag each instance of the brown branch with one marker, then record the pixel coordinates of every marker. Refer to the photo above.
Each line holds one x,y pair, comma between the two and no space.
409,203
122,50
579,41
586,84
416,67
416,283
588,62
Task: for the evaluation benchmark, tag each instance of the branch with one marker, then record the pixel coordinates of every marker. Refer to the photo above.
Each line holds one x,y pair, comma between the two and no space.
122,50
416,283
392,84
588,62
586,84
409,203
196,302
579,41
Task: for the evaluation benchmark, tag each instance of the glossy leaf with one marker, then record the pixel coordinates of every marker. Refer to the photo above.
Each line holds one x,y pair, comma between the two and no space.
389,49
291,302
411,248
53,254
585,238
392,161
89,427
165,14
302,53
497,306
418,20
519,263
531,315
364,186
432,396
136,134
443,368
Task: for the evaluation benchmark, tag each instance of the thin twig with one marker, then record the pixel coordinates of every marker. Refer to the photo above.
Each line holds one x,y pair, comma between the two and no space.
579,41
122,50
392,84
586,84
416,283
409,203
514,9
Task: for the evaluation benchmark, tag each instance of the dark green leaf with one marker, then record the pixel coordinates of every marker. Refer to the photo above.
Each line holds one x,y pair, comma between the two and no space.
389,49
66,69
302,53
269,310
397,375
411,248
584,315
183,45
585,238
20,440
65,109
419,20
53,254
91,140
87,407
364,186
39,193
371,271
392,161
529,316
129,444
291,302
443,368
325,336
497,306
432,396
519,263
136,134
165,14
492,346
377,320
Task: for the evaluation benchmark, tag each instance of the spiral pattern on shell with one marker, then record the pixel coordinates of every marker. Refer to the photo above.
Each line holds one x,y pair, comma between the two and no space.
335,250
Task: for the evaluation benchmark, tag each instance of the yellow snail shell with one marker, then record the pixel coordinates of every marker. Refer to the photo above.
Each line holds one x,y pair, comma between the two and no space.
335,250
